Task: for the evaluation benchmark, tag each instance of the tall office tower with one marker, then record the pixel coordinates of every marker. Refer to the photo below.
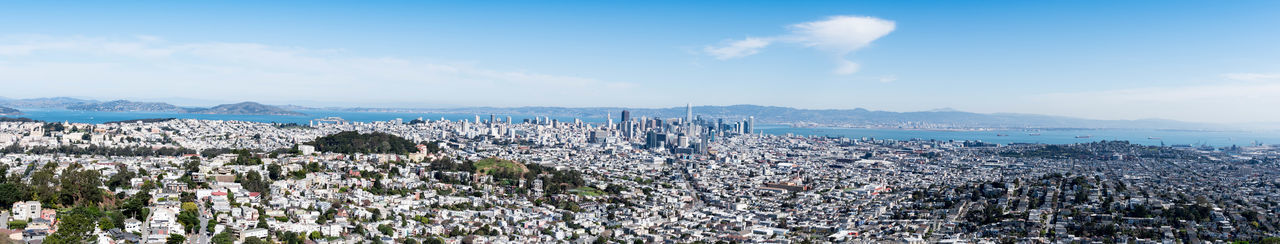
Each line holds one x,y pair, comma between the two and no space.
651,140
626,124
751,124
688,109
492,119
688,119
609,117
508,119
477,119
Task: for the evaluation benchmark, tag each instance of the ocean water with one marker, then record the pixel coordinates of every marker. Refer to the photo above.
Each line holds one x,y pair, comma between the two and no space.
1050,136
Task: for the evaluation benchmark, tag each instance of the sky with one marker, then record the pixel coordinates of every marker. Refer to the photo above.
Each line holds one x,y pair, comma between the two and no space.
1199,61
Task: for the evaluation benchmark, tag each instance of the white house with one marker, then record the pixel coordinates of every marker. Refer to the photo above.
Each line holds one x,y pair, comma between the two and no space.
26,210
132,225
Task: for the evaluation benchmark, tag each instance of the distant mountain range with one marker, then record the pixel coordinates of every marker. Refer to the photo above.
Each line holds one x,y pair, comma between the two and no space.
9,111
251,108
933,119
50,102
244,108
128,106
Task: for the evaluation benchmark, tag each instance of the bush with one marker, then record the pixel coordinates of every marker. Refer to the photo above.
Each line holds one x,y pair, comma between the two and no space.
17,224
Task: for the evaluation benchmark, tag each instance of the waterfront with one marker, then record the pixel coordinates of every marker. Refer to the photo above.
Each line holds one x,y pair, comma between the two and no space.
1001,136
1047,136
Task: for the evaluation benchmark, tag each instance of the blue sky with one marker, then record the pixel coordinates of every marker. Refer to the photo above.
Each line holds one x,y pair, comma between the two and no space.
1207,61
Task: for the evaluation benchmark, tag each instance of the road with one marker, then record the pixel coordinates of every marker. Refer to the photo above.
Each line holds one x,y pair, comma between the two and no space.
201,237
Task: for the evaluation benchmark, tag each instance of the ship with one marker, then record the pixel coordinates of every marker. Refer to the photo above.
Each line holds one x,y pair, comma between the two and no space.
1083,137
1153,138
1034,134
1002,134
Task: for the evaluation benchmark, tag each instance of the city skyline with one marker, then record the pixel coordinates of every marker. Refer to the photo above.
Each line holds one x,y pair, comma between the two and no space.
425,122
1182,60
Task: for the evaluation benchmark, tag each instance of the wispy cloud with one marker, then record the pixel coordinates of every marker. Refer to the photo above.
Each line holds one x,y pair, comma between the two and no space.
146,65
888,78
838,36
1253,76
1224,102
739,48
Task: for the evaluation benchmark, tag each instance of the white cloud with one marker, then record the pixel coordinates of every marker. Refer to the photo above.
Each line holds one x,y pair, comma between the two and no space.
148,66
1253,76
740,48
836,35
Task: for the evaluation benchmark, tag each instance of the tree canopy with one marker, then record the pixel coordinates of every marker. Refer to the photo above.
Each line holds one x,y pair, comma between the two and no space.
355,142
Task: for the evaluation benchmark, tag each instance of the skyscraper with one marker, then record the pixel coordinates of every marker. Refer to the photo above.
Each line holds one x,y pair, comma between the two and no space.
688,109
688,120
626,124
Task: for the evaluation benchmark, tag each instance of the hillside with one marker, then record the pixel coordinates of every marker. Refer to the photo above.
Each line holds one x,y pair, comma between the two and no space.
355,142
49,102
9,111
128,106
494,166
246,108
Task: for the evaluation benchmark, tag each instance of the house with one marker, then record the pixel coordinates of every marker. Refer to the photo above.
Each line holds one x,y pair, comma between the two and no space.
132,225
260,233
26,210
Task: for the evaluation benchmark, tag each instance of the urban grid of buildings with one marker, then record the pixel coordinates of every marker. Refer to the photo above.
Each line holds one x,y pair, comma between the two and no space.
638,180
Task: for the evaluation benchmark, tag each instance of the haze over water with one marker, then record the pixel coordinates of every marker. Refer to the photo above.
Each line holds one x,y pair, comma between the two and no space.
1047,136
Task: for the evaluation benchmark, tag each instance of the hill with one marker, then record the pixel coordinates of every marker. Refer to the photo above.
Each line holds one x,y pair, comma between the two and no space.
49,102
9,111
128,106
494,166
355,142
246,108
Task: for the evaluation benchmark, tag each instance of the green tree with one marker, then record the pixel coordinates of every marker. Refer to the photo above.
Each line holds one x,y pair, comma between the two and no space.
80,186
135,207
385,229
43,184
189,220
175,239
11,193
354,142
105,223
253,240
76,226
223,238
273,172
253,182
